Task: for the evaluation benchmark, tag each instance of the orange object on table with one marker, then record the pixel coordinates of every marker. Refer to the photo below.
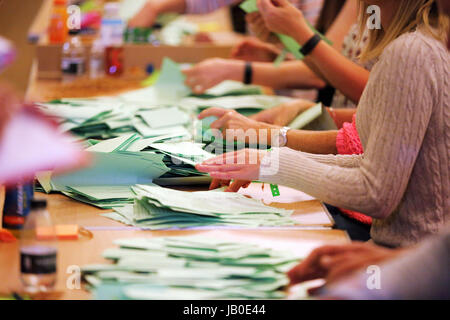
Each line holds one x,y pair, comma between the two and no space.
63,232
6,236
67,232
57,30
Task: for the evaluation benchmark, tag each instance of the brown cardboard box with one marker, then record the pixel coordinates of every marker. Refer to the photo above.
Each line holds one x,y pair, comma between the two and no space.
135,55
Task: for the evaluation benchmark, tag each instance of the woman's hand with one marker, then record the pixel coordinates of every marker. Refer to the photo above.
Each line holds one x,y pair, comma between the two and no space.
335,262
280,16
146,17
9,105
283,114
257,28
252,49
236,127
232,186
211,72
240,165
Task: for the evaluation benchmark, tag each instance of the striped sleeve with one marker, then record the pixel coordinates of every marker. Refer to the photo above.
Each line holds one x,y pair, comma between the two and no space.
206,6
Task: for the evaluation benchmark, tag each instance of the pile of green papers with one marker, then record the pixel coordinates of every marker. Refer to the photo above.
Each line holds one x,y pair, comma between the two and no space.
154,111
104,118
231,88
243,104
161,208
104,197
181,157
120,163
192,267
315,118
183,152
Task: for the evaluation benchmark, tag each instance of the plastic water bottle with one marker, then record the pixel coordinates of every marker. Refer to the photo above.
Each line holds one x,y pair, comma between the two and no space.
38,250
73,62
96,64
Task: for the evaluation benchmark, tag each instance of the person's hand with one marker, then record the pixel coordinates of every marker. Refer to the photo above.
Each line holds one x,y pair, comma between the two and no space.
257,28
9,105
232,186
211,72
283,114
236,127
146,17
239,165
252,49
334,262
280,16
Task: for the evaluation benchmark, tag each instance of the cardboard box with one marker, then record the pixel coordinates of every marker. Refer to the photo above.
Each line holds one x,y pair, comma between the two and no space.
135,55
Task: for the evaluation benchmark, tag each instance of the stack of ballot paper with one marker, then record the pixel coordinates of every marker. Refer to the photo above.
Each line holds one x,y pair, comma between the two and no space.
153,111
192,267
122,162
244,103
231,88
161,208
104,118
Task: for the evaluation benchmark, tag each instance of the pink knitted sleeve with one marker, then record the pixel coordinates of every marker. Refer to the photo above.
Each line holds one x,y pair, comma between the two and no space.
348,142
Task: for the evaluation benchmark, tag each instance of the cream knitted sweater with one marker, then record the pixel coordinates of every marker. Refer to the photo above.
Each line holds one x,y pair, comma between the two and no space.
403,119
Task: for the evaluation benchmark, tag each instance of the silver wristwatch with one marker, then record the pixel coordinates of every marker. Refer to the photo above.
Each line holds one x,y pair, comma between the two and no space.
282,138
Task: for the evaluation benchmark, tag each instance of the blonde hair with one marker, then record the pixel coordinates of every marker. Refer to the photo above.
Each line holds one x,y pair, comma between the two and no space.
410,15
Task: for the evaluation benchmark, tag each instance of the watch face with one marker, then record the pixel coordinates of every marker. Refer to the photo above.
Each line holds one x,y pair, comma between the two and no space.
282,138
281,142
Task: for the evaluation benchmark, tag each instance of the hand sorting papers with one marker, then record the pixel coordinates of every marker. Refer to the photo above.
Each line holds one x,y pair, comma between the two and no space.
192,267
160,208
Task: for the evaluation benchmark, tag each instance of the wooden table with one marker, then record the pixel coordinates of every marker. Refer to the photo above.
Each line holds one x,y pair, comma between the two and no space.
73,254
88,249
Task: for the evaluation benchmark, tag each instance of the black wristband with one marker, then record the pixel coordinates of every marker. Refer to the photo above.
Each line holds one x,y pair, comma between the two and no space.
248,73
310,45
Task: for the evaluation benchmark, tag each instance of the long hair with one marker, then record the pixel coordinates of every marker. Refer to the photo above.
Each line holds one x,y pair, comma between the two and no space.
410,15
330,11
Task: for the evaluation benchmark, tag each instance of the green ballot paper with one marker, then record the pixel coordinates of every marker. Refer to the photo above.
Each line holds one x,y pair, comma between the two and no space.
189,267
306,117
315,118
250,6
158,208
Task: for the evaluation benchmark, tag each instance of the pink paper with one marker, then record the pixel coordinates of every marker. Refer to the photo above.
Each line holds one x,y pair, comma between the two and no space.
30,143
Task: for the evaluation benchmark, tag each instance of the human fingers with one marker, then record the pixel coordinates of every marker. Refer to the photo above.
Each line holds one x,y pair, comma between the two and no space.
236,185
221,122
214,111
